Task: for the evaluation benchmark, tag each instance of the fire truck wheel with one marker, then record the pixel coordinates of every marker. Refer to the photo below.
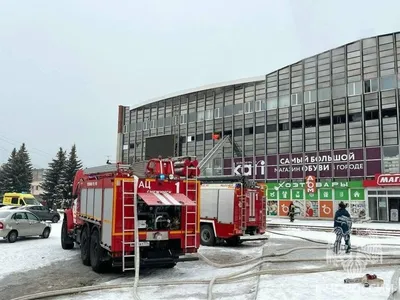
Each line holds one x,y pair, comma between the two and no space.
85,246
96,252
66,242
207,236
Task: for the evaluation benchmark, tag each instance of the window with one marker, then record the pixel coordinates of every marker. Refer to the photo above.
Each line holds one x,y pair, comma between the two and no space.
191,117
260,105
183,119
14,200
4,214
208,114
296,99
248,107
200,116
217,113
371,85
354,88
283,126
125,129
238,109
271,128
284,101
372,115
339,119
272,103
160,123
168,121
31,201
19,216
145,125
228,110
355,117
152,124
32,217
338,91
297,124
310,96
324,94
388,82
391,159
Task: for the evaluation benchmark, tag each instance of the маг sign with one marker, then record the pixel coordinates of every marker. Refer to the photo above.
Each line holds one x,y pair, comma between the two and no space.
387,179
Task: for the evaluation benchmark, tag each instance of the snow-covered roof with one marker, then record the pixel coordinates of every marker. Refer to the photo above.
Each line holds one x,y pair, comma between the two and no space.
201,88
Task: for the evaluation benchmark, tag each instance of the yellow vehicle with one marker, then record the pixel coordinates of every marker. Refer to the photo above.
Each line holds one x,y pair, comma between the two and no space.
19,199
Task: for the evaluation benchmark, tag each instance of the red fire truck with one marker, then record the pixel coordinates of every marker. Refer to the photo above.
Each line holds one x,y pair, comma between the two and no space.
101,219
232,209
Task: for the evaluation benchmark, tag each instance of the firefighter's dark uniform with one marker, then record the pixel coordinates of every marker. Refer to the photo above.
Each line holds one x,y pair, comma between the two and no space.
291,212
342,225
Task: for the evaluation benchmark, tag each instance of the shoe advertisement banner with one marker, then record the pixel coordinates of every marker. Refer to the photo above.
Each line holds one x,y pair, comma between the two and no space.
321,203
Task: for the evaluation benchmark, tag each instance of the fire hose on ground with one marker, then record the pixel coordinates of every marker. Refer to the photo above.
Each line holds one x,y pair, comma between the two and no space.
239,275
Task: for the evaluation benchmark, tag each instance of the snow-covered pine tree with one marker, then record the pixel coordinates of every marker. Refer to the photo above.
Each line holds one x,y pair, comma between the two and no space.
72,165
52,179
9,172
23,171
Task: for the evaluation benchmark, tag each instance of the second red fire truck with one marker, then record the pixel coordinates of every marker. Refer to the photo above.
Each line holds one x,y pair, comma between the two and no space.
232,209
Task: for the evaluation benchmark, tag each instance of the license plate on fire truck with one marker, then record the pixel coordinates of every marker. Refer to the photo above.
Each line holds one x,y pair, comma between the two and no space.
252,219
141,244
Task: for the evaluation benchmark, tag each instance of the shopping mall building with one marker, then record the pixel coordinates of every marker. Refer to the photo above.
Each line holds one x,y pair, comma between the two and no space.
333,116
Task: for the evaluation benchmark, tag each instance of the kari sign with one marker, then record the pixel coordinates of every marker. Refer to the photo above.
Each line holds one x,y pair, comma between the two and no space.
383,180
323,164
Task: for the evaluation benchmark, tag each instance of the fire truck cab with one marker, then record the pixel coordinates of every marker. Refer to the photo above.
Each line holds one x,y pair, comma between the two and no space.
233,209
102,216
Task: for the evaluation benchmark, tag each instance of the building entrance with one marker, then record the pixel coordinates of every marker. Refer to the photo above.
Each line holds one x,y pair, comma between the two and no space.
394,209
384,205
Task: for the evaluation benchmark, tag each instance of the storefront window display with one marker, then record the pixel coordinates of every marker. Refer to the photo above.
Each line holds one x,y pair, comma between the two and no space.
321,204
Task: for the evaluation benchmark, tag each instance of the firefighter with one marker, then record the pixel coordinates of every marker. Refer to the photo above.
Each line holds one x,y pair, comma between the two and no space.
291,212
342,227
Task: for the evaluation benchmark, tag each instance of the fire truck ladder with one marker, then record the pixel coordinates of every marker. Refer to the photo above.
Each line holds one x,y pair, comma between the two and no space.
242,199
109,168
125,231
214,151
191,181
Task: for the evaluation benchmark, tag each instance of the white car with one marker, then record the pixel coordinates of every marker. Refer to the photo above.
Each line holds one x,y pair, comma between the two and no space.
16,223
6,207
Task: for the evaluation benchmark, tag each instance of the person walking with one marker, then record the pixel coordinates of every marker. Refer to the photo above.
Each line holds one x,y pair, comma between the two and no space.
342,228
291,212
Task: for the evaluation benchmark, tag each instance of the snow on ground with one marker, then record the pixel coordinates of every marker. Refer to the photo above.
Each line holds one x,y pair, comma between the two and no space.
322,286
325,285
323,223
190,271
33,252
329,237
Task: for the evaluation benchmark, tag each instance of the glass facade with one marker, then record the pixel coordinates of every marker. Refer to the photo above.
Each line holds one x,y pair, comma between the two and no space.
341,102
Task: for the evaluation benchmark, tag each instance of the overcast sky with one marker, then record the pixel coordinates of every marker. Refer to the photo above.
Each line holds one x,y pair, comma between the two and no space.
65,66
